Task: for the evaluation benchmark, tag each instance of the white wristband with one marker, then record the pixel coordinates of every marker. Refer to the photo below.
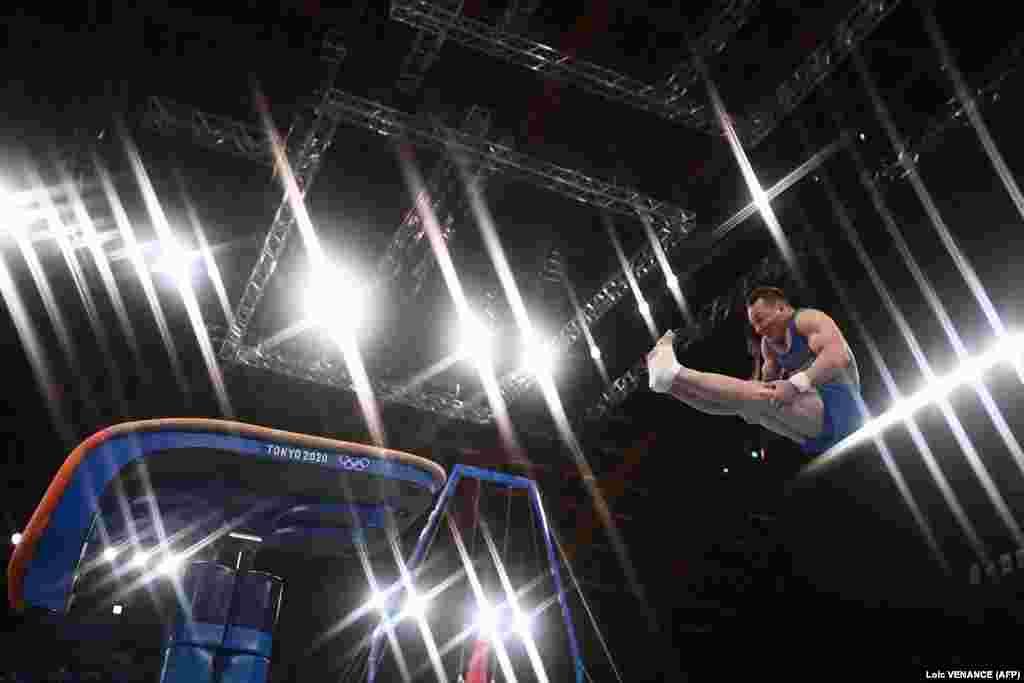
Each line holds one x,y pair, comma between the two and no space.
802,382
662,375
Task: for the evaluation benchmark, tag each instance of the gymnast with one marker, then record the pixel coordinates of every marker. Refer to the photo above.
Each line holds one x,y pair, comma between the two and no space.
807,388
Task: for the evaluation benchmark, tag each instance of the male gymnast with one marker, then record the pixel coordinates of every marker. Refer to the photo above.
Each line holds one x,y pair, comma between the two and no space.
809,389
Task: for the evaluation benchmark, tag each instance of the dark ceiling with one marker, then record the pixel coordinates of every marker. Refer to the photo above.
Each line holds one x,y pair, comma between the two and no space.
75,71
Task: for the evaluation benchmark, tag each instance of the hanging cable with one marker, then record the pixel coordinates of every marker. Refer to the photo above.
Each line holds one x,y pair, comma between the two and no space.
474,544
508,523
491,655
586,605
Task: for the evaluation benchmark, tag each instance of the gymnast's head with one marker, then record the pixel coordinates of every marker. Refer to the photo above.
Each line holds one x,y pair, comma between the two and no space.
769,312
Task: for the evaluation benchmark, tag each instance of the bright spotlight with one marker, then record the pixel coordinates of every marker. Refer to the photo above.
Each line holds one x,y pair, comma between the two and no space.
539,358
15,539
644,307
476,339
14,218
118,609
487,622
336,299
1006,349
415,608
109,554
140,560
524,626
170,565
176,262
595,353
376,602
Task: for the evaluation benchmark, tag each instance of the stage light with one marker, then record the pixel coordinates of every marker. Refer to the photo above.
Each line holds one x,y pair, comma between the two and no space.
109,554
524,626
140,560
415,608
176,262
1007,349
595,353
476,340
14,218
169,565
487,622
15,539
539,358
376,602
118,609
336,300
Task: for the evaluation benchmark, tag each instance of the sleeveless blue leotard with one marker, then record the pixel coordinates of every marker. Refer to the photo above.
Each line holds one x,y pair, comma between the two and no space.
841,397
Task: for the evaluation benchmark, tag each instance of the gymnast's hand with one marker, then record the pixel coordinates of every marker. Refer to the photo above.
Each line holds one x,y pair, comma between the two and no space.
783,392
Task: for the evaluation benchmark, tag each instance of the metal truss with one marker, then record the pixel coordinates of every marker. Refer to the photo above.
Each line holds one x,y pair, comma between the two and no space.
495,157
671,225
668,99
218,133
285,360
426,49
725,25
409,242
665,99
292,360
706,322
854,28
305,160
1006,65
426,46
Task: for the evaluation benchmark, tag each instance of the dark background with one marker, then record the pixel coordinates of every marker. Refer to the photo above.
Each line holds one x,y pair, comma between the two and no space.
721,541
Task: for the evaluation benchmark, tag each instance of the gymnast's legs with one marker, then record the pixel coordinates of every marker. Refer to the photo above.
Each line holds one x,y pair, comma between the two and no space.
714,394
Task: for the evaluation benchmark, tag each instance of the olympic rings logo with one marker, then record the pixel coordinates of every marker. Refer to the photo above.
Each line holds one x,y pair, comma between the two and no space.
317,457
356,464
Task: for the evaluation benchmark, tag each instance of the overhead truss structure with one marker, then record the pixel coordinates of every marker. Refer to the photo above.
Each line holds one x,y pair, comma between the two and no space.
857,25
496,157
305,159
211,131
664,99
408,259
669,99
727,23
671,224
426,46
